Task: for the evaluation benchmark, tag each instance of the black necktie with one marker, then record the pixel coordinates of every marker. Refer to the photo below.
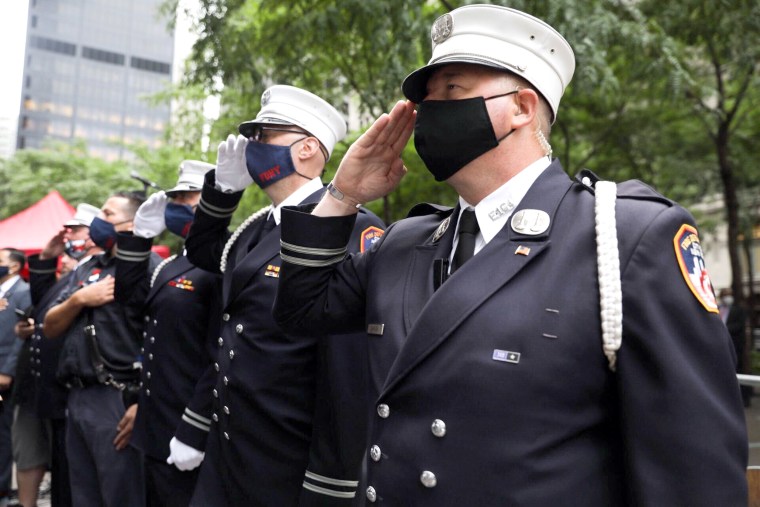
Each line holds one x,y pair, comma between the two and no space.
468,231
268,225
257,236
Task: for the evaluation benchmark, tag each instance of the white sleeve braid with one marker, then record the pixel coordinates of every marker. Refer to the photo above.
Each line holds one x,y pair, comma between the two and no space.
159,268
608,260
263,212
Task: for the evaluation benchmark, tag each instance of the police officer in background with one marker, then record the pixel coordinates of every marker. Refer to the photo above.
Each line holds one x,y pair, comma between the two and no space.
100,361
39,425
180,303
498,388
262,436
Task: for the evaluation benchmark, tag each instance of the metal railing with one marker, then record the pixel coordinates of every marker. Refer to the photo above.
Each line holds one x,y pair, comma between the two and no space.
748,380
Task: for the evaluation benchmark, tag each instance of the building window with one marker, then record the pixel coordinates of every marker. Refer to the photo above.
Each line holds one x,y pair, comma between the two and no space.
56,46
150,65
102,56
34,21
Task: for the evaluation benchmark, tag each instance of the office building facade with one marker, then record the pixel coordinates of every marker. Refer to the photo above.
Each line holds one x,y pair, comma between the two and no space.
89,66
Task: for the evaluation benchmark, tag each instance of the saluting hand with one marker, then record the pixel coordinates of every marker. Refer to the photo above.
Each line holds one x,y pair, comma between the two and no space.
149,220
372,166
231,171
55,246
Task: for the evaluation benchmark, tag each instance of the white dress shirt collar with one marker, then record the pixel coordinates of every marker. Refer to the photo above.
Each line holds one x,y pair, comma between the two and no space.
494,210
297,197
6,285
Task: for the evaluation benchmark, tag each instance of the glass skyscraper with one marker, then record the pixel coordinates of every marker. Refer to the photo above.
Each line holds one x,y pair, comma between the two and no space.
89,66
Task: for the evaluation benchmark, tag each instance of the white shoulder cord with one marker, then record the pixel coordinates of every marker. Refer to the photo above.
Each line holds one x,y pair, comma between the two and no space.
161,266
608,260
263,212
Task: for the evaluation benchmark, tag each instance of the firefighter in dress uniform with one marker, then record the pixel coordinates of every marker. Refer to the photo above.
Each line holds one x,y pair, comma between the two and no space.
180,303
289,420
485,321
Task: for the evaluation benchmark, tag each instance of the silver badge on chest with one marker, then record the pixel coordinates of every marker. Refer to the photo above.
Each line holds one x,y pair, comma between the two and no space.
441,229
530,222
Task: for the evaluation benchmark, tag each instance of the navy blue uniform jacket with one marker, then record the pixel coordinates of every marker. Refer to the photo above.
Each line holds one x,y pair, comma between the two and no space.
493,389
46,392
289,420
181,314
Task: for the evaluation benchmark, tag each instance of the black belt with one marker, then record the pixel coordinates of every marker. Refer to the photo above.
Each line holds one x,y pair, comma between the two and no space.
81,382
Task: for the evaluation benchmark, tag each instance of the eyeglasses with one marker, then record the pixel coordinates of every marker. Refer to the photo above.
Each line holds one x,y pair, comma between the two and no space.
259,135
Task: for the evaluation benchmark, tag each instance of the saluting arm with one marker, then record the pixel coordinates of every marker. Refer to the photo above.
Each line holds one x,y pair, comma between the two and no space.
209,232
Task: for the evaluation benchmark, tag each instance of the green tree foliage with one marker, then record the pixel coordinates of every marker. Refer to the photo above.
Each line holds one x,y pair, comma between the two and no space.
666,92
31,174
625,91
720,42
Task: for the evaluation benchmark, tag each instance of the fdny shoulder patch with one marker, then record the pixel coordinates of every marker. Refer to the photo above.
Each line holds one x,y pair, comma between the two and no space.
369,236
692,264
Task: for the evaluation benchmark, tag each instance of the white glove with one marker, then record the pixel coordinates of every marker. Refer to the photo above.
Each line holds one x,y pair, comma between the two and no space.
149,220
231,171
183,456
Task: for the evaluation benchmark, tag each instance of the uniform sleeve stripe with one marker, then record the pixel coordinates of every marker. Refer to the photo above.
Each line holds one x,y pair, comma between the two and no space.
216,211
311,263
329,492
42,271
131,256
197,417
325,252
198,425
334,482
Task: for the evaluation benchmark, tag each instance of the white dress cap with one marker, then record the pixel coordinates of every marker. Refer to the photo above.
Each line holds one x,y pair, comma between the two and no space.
191,175
83,216
288,105
502,38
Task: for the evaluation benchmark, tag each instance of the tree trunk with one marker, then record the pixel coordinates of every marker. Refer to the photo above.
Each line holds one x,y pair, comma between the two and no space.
750,307
732,210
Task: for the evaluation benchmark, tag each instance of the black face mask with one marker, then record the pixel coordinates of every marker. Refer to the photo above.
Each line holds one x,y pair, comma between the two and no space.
449,134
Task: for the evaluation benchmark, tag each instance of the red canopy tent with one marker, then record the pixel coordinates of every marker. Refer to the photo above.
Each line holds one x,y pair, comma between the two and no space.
30,230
